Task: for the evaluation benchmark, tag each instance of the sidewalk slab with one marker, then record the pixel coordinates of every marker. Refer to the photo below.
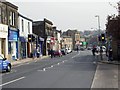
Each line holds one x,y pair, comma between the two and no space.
106,76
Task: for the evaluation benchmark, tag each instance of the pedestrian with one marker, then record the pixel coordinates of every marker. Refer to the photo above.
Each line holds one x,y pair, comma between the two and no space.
110,53
52,53
101,53
106,52
93,50
77,48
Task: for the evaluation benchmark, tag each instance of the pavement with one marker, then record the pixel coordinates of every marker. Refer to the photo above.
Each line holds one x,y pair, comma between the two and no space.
14,62
107,75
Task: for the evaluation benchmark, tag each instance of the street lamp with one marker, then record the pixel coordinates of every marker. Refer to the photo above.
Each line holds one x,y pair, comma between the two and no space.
98,22
99,34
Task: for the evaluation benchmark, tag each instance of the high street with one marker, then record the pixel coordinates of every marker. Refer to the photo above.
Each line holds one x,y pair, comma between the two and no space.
75,70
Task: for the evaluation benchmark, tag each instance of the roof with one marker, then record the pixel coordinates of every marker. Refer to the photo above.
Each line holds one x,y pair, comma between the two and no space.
25,17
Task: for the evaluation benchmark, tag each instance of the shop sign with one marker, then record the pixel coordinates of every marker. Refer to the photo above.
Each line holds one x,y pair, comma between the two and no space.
3,28
13,35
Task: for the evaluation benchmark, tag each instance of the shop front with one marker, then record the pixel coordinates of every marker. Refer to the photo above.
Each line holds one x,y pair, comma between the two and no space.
4,40
22,47
13,44
40,48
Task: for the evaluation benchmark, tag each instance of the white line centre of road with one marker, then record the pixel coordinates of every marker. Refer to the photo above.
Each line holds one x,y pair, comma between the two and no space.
12,81
44,69
76,55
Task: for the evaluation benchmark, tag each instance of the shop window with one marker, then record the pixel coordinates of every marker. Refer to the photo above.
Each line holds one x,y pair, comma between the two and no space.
9,48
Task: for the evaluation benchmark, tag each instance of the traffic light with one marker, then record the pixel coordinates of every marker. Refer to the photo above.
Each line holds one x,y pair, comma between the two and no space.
103,37
29,37
33,38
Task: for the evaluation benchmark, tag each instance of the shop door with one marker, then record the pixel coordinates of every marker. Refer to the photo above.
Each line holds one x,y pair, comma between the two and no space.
3,47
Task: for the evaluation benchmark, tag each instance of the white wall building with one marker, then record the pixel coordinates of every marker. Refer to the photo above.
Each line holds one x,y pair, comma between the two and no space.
25,28
4,40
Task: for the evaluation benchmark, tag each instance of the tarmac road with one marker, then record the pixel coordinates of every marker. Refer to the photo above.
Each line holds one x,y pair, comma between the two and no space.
75,70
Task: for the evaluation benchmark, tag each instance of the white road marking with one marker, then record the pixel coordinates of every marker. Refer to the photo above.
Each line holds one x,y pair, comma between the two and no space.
12,81
63,61
44,69
94,62
51,66
76,55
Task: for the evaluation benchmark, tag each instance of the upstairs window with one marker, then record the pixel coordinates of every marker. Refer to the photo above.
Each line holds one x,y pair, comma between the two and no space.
12,18
22,25
29,27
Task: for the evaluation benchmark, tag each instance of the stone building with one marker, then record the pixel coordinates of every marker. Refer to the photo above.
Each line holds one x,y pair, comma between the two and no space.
44,30
67,42
9,17
113,35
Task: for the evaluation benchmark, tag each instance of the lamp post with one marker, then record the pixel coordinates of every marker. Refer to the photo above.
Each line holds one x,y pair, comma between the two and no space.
99,34
98,22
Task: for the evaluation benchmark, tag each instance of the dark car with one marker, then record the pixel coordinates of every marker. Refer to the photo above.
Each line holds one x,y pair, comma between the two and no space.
82,49
57,53
5,65
89,48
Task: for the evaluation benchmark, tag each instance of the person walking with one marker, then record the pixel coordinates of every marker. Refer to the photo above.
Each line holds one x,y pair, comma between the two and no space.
110,53
77,49
52,53
93,50
101,53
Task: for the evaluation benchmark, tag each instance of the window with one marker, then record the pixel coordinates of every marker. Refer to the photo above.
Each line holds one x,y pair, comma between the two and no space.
22,25
29,27
4,18
12,18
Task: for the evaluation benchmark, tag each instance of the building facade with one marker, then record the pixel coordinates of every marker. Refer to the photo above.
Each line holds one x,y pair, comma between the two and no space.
75,35
25,28
45,32
3,30
113,35
57,39
67,42
13,33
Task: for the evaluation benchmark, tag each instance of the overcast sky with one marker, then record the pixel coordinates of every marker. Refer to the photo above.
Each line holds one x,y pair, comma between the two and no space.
68,14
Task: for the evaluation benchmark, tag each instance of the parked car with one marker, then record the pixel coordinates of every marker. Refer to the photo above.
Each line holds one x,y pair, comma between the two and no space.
89,48
82,48
57,53
68,50
5,65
